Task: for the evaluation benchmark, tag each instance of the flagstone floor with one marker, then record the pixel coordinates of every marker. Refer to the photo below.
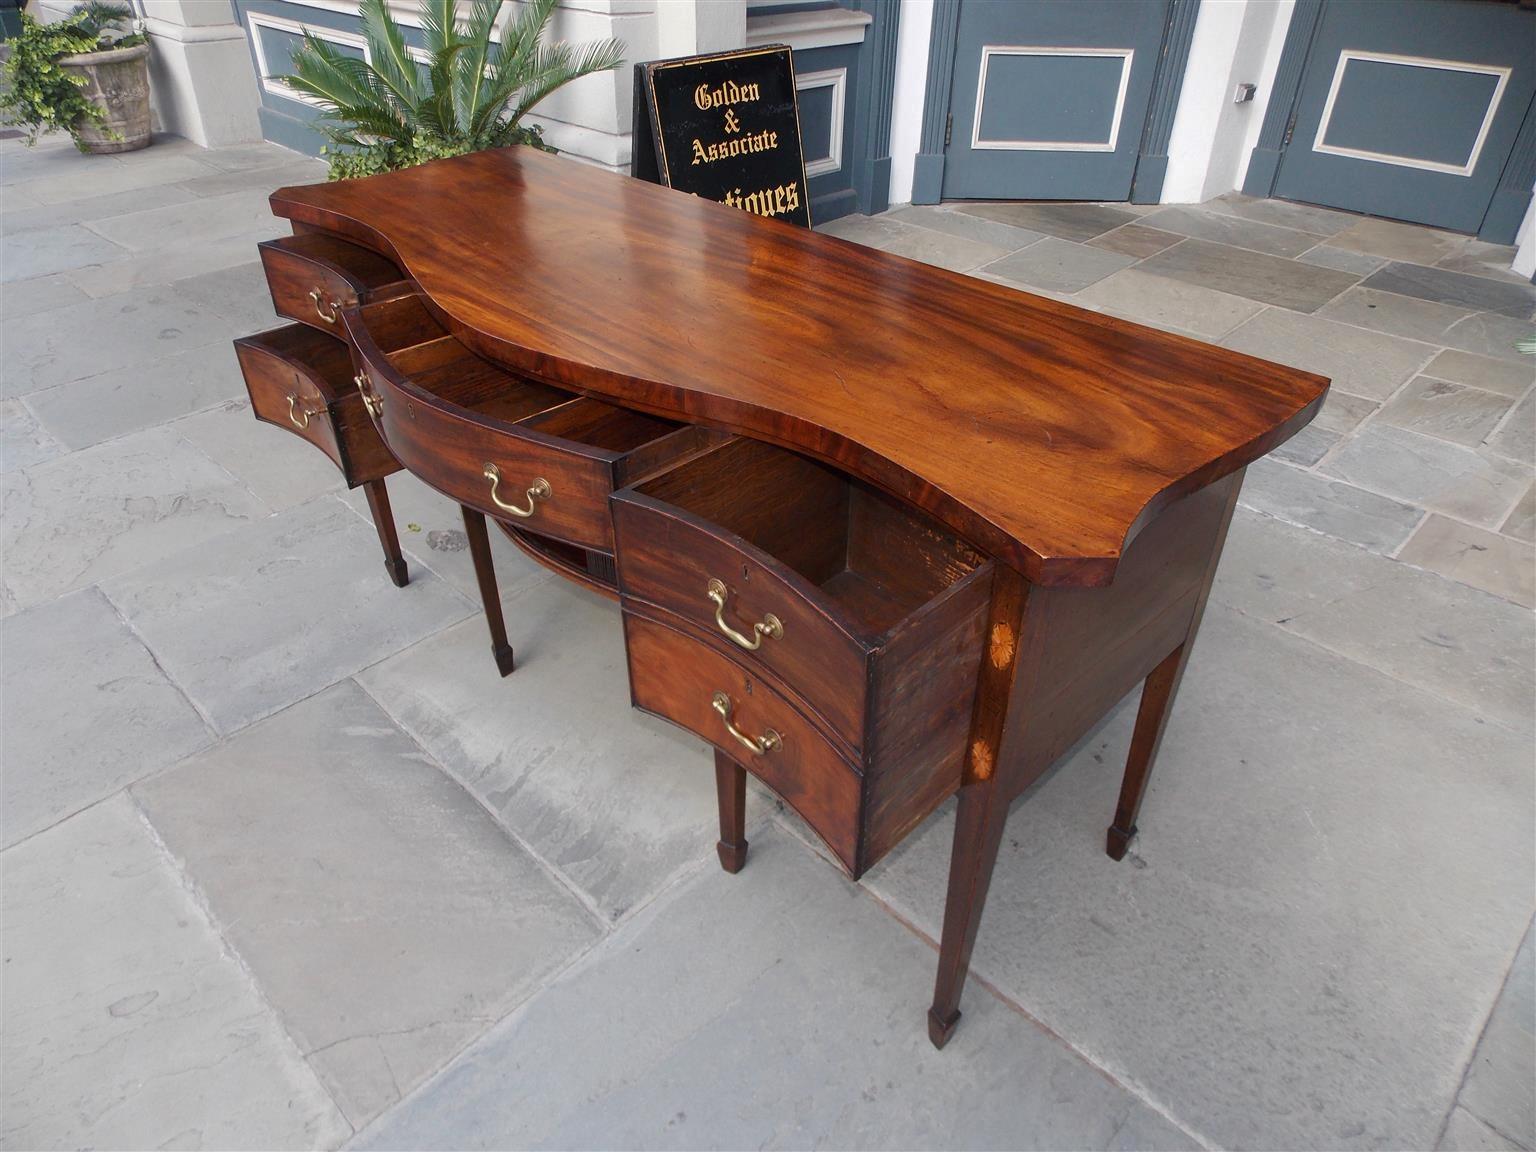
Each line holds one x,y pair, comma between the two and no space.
285,863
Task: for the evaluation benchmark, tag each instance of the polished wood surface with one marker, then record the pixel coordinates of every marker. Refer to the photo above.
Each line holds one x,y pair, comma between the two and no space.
839,568
958,524
499,442
312,276
1046,435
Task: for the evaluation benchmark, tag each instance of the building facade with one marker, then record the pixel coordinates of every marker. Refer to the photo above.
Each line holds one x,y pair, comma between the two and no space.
1417,111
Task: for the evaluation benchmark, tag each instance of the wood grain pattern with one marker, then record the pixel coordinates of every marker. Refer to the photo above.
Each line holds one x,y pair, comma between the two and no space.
316,370
341,274
1046,435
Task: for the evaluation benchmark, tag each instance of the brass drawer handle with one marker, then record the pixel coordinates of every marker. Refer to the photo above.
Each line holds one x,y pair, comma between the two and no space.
769,625
539,490
757,745
319,298
371,402
300,418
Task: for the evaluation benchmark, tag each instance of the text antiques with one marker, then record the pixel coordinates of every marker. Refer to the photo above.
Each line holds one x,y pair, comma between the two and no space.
724,127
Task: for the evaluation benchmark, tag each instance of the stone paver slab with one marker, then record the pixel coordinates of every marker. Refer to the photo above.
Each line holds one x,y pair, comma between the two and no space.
126,1022
94,514
40,294
1475,556
942,219
1451,640
1359,362
1485,372
1397,241
1521,523
1226,228
138,328
1135,240
1396,315
23,441
1462,482
276,465
619,805
1446,411
85,711
1498,1089
942,249
1169,304
1245,966
1268,279
267,616
779,1008
1303,217
1458,289
116,402
1328,506
385,916
1059,265
46,251
1068,221
1516,437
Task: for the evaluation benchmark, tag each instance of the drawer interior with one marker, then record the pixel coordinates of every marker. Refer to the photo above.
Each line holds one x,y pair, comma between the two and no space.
366,267
876,560
419,348
322,358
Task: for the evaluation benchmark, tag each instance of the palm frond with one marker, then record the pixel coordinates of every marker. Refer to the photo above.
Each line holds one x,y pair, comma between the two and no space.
390,60
556,65
469,79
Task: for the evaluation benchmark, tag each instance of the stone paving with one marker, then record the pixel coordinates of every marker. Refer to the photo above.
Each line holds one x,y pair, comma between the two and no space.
286,864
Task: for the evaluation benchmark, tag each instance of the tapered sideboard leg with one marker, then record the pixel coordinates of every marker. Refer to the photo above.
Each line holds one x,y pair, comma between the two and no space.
384,525
731,784
984,795
979,822
1151,720
490,596
1158,693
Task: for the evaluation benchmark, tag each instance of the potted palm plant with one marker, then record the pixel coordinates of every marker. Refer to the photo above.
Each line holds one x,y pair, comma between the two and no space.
471,92
87,75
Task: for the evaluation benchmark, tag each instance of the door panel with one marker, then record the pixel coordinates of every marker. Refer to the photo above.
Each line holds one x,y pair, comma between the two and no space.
1410,110
1049,98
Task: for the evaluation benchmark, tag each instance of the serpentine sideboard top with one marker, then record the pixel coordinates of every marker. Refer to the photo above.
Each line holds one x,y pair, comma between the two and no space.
1046,434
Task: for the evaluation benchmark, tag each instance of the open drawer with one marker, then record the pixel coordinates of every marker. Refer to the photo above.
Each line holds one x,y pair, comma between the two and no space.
861,613
514,448
312,276
301,381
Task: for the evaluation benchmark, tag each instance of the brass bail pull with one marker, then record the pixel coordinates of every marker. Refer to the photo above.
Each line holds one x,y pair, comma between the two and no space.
371,401
538,490
757,745
769,625
321,307
299,417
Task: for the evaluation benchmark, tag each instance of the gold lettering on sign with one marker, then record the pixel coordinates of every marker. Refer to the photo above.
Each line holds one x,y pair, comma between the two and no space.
769,202
764,141
705,97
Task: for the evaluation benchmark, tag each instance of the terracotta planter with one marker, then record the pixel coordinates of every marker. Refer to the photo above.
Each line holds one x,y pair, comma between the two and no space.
117,82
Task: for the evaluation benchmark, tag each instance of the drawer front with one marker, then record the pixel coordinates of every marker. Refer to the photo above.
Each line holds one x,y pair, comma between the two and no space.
283,395
499,470
687,567
312,277
680,679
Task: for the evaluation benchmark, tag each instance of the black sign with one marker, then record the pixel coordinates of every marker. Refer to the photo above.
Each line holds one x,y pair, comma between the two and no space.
724,127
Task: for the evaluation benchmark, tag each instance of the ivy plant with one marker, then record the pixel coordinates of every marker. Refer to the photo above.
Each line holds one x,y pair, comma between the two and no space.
42,95
392,110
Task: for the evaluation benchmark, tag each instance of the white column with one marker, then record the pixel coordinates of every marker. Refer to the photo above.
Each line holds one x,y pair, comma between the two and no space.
202,84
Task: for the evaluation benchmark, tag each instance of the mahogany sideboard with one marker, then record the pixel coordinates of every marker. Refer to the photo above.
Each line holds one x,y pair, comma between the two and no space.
880,533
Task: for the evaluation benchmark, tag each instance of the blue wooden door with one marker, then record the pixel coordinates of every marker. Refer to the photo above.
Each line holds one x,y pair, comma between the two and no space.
1049,97
1410,110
